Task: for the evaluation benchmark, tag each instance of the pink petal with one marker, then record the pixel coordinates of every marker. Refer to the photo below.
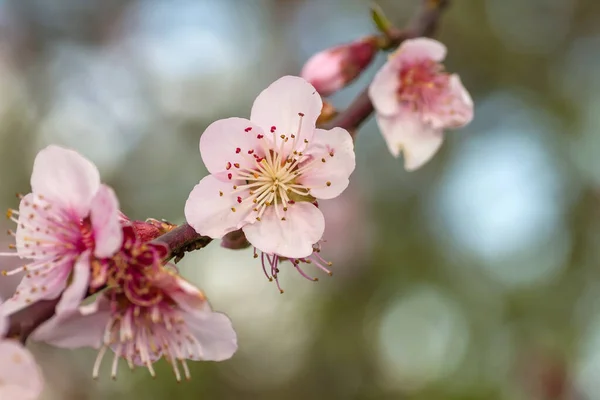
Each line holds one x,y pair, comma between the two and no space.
104,215
453,109
417,50
462,104
3,322
214,332
282,105
48,284
418,142
77,289
294,237
325,71
335,170
228,141
65,178
210,213
34,231
187,296
75,329
383,90
20,376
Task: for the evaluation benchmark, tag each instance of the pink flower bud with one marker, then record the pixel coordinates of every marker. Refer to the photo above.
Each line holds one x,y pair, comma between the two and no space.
333,69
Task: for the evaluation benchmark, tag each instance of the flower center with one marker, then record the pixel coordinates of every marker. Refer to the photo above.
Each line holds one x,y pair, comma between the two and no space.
422,85
272,178
46,233
86,240
131,270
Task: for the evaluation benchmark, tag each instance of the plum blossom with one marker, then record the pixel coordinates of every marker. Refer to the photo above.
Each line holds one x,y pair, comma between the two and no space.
266,173
415,101
67,220
20,376
272,262
147,312
333,69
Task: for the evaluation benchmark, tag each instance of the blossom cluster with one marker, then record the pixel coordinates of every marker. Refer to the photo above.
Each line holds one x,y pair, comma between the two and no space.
80,244
266,177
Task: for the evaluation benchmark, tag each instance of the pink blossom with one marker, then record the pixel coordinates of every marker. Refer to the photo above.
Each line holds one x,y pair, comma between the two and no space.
67,220
333,69
415,100
147,312
271,264
20,376
267,172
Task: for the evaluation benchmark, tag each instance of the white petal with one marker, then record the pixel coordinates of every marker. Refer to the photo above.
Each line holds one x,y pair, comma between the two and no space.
3,321
77,289
36,229
65,178
383,90
209,208
47,285
214,332
105,223
420,49
416,141
283,105
220,142
329,175
20,376
75,329
303,226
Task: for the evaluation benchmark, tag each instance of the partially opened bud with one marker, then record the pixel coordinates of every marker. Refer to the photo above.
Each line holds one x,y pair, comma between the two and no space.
334,68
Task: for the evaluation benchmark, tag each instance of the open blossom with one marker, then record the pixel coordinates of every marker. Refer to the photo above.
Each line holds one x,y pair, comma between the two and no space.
20,376
147,312
271,264
68,219
415,100
332,69
267,172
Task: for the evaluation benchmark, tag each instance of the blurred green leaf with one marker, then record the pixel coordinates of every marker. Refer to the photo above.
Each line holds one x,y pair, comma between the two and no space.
381,21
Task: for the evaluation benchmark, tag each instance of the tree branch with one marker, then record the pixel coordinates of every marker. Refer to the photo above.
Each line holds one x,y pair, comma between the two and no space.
424,23
183,239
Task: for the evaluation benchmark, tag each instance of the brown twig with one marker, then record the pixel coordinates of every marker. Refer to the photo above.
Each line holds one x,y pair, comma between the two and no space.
424,23
184,238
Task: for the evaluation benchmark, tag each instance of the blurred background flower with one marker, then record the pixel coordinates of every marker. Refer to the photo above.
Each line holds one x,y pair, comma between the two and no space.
476,277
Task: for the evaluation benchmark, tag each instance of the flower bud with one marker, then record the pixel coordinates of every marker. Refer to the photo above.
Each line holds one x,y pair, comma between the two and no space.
149,229
333,69
235,240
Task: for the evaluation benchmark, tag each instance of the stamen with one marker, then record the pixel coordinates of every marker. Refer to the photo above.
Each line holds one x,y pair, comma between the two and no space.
297,266
186,370
98,361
